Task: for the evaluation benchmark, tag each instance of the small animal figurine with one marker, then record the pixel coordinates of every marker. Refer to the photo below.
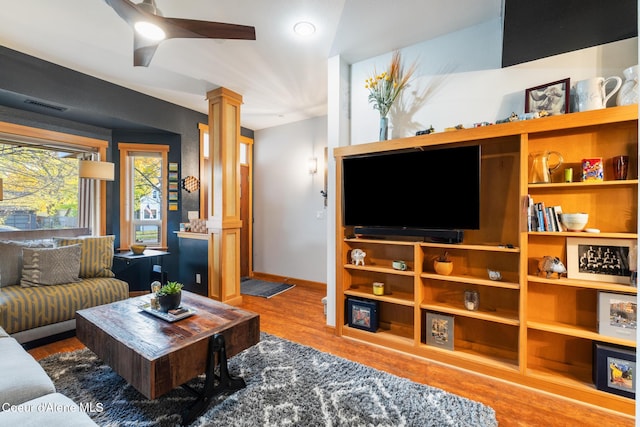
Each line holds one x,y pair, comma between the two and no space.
549,265
494,274
357,256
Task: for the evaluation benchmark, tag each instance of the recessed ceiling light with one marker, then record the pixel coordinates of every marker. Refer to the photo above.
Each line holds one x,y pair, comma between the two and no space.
149,30
304,28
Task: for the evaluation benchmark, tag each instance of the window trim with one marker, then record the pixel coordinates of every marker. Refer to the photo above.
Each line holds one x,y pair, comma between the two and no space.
36,136
126,223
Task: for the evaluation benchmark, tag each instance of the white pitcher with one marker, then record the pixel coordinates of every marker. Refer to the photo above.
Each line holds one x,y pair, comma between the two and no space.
591,93
629,91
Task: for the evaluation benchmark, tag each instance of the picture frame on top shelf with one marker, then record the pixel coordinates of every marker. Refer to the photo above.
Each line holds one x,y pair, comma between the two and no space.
439,330
614,369
617,315
603,260
552,98
362,314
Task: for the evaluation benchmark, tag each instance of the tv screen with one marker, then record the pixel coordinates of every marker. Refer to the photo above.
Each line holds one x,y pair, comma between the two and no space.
429,188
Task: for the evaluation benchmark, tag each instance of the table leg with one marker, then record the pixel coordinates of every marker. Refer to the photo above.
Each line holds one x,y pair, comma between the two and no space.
225,381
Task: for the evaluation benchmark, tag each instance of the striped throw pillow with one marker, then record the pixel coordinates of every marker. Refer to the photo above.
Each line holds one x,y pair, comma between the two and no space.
97,254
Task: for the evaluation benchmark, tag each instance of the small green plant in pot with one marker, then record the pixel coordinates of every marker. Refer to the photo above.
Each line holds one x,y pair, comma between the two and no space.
169,296
442,264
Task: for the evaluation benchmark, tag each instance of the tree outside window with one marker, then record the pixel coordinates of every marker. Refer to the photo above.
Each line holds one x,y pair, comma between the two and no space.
143,176
40,187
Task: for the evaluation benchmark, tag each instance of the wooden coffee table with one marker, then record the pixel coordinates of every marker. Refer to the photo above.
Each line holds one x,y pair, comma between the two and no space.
155,356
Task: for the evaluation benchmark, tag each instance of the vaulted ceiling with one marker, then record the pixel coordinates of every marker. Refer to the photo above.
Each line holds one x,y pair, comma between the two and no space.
282,77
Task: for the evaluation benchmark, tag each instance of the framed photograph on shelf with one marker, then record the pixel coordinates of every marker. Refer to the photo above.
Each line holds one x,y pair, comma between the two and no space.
617,315
439,330
552,98
362,314
614,369
604,260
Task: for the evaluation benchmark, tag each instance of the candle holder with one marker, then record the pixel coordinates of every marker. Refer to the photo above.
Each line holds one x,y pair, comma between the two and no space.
471,300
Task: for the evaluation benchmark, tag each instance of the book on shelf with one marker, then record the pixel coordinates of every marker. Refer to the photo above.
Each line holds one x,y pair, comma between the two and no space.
547,213
543,220
557,211
531,219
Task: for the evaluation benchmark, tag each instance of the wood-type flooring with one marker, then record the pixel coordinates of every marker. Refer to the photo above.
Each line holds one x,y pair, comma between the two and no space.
297,315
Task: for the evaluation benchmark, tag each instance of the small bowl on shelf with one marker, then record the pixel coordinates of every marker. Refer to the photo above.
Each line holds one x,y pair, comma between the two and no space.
138,249
574,221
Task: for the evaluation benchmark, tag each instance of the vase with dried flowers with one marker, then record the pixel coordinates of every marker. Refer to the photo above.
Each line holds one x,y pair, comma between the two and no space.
384,89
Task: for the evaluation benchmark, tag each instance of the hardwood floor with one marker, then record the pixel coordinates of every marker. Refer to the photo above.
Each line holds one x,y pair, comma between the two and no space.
297,315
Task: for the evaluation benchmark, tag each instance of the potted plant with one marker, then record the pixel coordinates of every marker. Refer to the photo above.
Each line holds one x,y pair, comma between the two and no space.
169,296
443,264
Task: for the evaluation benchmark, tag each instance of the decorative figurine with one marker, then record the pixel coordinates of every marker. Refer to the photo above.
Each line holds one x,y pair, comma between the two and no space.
357,256
550,265
426,131
512,118
494,274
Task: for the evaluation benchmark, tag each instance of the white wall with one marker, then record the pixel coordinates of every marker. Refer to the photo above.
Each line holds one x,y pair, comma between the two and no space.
460,81
289,239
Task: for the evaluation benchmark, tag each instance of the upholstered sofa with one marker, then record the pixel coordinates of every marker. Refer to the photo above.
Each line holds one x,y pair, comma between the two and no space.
28,397
43,282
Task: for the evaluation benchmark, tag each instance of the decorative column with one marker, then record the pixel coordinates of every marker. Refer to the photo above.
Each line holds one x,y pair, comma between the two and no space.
224,222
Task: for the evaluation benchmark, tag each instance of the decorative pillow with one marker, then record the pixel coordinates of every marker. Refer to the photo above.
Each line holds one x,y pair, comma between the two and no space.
11,259
97,254
50,266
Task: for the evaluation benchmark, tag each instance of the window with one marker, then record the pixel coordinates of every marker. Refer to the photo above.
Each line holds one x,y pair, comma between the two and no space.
142,186
42,190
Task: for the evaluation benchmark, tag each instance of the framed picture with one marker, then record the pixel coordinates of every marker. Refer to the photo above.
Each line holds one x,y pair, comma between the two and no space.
604,260
617,315
173,167
614,369
552,98
439,330
362,314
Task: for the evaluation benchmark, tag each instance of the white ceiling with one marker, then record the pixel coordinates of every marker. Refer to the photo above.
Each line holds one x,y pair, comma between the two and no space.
281,77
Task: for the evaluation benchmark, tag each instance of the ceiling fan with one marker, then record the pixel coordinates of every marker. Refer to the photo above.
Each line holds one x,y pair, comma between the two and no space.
151,28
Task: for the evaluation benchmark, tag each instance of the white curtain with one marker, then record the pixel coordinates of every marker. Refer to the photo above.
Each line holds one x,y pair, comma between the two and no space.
88,198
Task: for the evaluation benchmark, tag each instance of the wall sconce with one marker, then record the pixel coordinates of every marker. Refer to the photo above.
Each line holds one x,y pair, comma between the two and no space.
312,164
91,169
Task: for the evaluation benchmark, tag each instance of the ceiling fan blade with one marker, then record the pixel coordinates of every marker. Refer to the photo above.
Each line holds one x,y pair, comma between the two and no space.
129,11
143,51
191,28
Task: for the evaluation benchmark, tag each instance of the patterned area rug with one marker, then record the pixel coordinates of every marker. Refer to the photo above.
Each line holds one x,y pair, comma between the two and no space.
287,385
261,288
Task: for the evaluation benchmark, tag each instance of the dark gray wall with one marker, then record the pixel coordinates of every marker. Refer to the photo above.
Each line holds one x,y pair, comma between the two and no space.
41,94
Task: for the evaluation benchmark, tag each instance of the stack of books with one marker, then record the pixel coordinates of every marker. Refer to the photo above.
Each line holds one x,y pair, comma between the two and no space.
543,218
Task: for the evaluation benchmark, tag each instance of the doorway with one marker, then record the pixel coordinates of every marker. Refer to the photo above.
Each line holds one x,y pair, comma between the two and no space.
246,204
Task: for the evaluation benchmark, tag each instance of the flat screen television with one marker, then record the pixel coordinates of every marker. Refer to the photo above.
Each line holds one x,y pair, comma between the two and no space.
429,192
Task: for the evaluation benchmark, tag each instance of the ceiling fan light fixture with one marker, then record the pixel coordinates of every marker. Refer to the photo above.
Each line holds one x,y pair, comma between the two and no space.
150,31
304,28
